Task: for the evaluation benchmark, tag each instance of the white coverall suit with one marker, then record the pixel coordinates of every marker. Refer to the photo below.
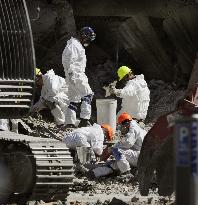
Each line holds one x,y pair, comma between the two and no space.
54,96
135,97
74,63
126,152
92,136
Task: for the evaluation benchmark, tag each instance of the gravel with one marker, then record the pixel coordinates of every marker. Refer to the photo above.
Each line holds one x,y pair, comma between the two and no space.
113,190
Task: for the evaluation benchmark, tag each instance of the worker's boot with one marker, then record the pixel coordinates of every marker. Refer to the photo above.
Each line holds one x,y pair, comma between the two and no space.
84,123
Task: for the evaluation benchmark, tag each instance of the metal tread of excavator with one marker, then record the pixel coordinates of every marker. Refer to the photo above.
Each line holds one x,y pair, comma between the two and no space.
30,167
38,168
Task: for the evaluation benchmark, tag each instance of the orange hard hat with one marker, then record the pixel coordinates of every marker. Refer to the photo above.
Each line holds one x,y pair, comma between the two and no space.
109,130
123,117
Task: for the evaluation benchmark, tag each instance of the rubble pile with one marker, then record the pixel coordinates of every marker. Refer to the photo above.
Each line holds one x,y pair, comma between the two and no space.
109,191
40,127
114,190
164,98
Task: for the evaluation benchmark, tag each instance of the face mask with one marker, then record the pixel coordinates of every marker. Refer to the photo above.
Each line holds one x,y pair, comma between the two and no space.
85,44
124,130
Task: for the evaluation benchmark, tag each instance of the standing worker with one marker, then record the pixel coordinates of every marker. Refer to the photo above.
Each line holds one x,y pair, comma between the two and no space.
53,95
135,95
127,150
74,63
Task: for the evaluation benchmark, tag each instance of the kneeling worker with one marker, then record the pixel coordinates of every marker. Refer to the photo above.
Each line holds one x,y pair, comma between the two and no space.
127,150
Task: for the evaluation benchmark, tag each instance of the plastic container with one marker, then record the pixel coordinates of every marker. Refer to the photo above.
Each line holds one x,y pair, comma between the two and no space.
106,112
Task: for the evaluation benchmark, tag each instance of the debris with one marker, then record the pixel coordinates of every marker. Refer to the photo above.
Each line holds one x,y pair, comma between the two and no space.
135,199
88,191
150,200
116,201
164,98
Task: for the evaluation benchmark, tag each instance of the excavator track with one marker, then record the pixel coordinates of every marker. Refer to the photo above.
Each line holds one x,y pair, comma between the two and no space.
38,168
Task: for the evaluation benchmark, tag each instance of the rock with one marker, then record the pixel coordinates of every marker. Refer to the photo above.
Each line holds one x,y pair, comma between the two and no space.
98,202
40,202
135,199
106,202
31,203
72,203
150,200
116,201
163,200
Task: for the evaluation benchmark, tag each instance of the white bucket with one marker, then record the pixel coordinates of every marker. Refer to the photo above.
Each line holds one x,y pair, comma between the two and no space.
106,112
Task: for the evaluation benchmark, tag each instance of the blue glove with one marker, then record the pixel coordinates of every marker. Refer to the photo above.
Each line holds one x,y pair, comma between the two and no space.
116,153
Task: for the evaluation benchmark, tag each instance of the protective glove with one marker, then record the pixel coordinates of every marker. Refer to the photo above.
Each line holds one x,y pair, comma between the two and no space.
116,153
38,106
114,91
106,88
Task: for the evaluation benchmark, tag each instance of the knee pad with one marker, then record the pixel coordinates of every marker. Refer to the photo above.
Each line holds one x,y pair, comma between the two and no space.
87,98
73,106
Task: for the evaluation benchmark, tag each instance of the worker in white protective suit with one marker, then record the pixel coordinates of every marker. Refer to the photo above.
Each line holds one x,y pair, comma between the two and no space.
92,136
135,94
74,63
9,125
127,150
53,95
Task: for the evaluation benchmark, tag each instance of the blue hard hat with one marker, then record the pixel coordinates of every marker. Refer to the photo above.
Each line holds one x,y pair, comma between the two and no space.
88,33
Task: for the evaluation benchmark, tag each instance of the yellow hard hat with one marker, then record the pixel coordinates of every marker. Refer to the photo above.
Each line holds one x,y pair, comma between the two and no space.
122,71
38,71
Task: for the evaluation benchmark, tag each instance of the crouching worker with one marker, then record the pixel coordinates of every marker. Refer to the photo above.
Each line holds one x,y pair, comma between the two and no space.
53,95
127,150
92,136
